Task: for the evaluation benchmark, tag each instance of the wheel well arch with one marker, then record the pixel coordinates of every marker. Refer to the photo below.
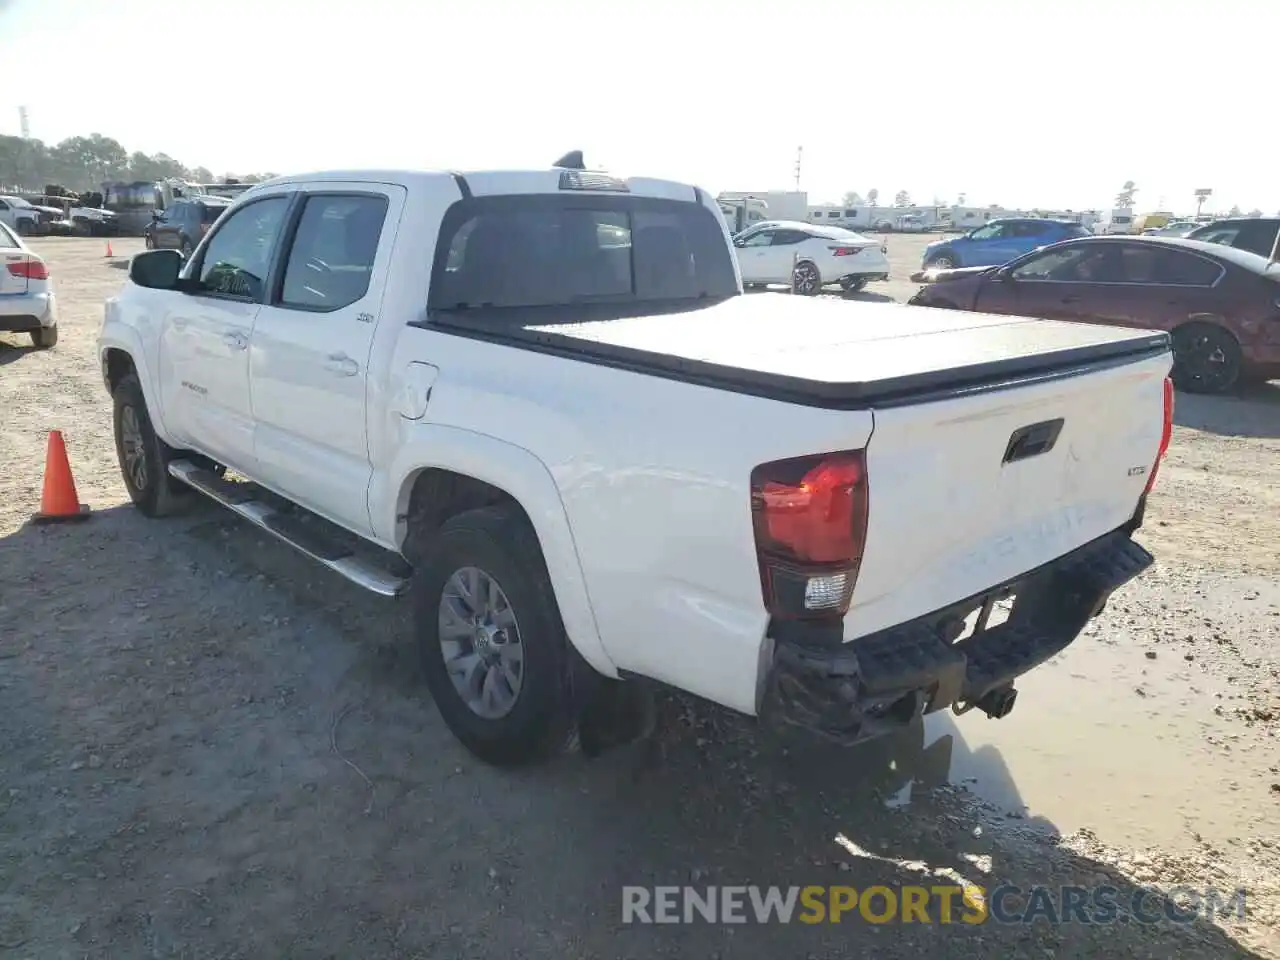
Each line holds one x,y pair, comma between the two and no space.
116,365
437,494
1205,320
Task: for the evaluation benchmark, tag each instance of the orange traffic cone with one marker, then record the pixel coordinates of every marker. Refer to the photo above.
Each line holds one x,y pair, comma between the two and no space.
59,501
109,253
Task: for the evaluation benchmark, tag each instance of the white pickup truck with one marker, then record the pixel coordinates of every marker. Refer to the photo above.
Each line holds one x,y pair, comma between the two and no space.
540,404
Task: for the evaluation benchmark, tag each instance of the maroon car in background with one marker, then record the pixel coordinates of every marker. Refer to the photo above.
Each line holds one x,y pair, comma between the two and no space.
1221,305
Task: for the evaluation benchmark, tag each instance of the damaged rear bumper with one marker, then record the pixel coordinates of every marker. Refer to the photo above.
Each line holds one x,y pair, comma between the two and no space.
879,683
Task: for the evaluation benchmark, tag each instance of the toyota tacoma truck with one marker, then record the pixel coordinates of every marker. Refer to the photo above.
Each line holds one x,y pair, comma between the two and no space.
540,406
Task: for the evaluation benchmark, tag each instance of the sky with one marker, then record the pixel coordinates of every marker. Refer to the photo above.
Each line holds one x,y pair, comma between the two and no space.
1024,104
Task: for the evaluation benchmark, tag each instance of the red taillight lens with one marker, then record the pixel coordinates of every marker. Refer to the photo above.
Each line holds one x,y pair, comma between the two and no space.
810,520
31,269
1166,434
845,251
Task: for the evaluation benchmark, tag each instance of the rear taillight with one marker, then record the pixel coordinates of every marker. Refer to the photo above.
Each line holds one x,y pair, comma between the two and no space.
845,251
1166,434
31,269
810,520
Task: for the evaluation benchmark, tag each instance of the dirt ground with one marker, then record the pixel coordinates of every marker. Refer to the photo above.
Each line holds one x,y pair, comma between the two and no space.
210,748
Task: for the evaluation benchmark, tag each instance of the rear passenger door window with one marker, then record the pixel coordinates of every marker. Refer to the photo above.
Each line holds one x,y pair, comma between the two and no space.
1257,237
788,238
1163,267
330,262
1186,269
1028,229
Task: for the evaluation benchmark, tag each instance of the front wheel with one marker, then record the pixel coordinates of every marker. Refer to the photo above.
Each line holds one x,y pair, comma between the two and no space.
943,261
187,248
495,653
144,457
1206,359
806,280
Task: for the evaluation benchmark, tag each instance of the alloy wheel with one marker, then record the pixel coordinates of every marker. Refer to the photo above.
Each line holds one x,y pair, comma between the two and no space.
481,644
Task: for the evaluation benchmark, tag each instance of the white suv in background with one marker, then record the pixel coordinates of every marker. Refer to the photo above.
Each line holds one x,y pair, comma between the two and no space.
815,256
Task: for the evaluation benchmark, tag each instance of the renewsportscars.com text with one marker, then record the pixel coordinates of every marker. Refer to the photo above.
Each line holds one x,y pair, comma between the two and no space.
936,904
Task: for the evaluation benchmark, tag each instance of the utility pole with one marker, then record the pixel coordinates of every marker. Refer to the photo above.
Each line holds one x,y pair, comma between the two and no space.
24,123
799,155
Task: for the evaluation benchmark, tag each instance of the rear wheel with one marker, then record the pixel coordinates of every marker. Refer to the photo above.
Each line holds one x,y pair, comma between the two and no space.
852,284
806,280
495,653
1206,359
44,337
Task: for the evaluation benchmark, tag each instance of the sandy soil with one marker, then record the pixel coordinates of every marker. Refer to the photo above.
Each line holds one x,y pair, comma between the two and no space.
210,748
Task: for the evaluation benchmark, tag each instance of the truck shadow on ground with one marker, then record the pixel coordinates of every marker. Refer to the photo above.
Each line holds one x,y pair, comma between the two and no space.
266,776
1253,412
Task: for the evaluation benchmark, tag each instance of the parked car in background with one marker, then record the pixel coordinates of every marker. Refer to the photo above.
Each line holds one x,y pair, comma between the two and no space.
1151,221
1178,228
1221,305
1255,234
1116,222
997,242
26,295
19,214
183,224
775,251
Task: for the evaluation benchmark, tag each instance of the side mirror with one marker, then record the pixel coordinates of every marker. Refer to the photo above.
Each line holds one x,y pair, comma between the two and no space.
156,269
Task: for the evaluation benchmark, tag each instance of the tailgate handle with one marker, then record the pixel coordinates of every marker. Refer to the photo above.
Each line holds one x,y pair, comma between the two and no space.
1032,440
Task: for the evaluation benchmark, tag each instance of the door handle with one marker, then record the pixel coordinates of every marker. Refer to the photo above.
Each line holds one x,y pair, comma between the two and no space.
341,365
235,340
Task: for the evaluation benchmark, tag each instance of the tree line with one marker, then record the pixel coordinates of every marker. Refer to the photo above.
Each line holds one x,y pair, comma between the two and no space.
85,163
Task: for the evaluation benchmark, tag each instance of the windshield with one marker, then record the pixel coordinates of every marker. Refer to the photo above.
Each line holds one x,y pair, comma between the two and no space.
557,249
18,202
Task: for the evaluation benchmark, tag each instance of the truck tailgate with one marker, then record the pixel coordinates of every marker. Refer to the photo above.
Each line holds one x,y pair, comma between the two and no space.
963,497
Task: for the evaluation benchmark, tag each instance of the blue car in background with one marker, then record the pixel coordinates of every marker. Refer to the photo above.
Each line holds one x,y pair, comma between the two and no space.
997,242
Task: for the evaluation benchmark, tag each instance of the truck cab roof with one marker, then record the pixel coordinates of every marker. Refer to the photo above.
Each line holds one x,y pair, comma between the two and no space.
498,182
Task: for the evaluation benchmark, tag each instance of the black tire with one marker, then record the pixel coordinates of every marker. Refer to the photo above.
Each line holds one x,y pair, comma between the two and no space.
542,722
943,261
44,337
152,490
853,285
1206,359
149,242
806,279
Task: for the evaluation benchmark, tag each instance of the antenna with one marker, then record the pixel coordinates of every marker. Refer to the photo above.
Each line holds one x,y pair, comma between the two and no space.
571,161
799,155
24,123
